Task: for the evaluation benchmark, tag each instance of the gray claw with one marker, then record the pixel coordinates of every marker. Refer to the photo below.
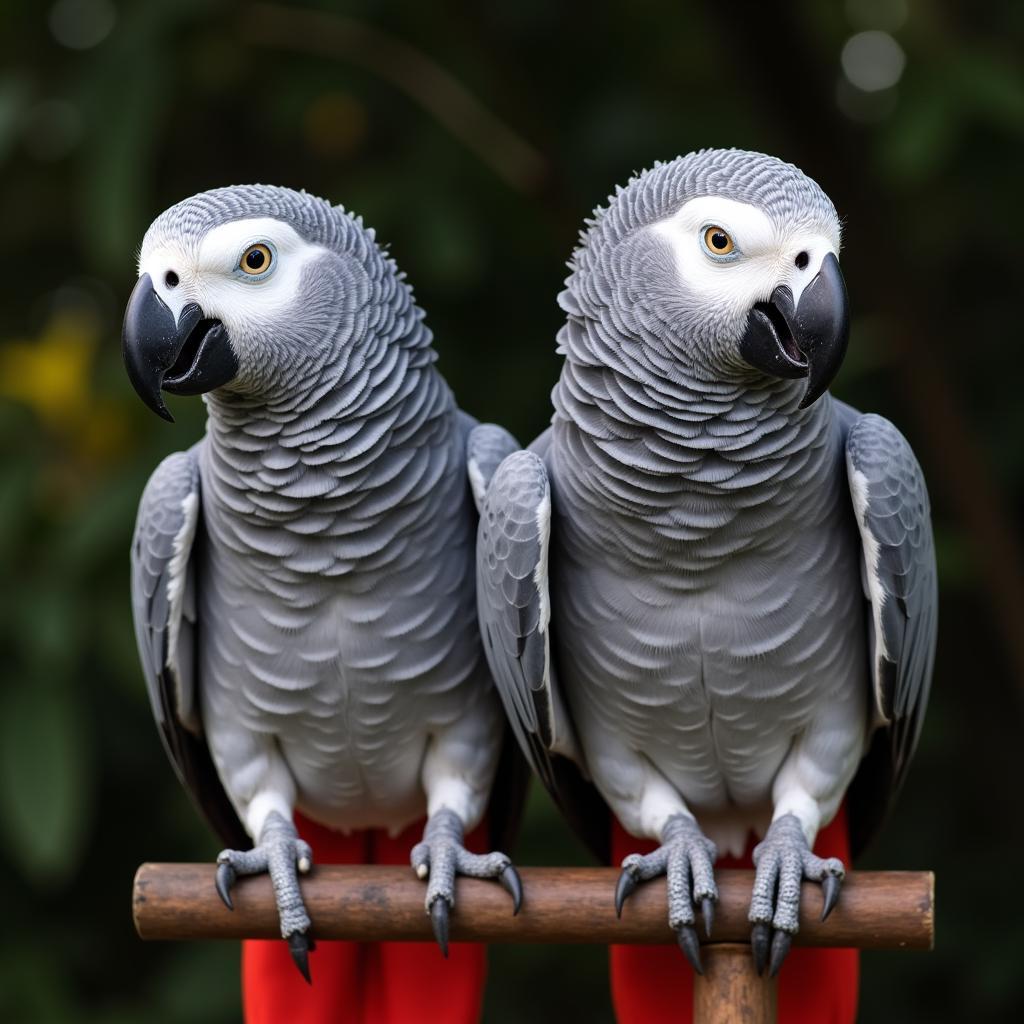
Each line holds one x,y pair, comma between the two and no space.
781,942
707,909
512,884
830,885
686,858
439,858
225,880
278,852
686,936
760,941
439,923
784,860
299,945
624,888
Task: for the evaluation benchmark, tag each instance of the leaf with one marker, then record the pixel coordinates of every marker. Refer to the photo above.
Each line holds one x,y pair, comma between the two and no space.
16,485
50,627
34,985
14,98
102,528
994,87
922,136
47,773
210,967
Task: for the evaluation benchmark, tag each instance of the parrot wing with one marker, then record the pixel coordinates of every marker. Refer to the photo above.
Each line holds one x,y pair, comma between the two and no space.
514,608
890,502
163,584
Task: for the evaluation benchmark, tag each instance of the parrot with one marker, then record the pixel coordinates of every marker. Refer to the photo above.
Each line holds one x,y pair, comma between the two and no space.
303,585
707,592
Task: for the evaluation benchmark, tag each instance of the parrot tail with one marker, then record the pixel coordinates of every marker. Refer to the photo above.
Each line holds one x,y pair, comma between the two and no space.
654,984
371,982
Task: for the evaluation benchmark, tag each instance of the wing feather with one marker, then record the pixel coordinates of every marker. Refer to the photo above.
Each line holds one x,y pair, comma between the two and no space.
168,531
890,503
515,623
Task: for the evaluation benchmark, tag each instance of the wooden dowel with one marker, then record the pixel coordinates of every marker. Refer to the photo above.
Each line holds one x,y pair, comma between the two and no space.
877,909
730,992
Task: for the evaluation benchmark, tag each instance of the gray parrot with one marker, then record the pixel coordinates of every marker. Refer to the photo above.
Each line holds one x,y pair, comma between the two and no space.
709,589
303,578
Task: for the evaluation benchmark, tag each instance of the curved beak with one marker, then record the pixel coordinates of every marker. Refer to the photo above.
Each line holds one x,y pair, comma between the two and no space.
807,340
186,356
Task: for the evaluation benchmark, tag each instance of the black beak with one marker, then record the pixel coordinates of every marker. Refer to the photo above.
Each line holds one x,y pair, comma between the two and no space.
806,341
187,356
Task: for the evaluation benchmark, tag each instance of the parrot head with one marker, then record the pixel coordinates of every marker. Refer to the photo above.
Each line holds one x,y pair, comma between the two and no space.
245,288
729,257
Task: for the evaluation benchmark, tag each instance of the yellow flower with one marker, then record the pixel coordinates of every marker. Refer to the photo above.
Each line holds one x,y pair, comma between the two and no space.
52,374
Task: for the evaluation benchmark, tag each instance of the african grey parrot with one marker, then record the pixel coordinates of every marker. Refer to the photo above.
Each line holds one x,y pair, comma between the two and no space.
709,587
303,577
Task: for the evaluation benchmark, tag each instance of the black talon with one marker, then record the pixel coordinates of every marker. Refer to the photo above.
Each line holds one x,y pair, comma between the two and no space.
686,936
225,880
707,909
439,922
780,948
831,884
512,884
760,941
624,888
299,945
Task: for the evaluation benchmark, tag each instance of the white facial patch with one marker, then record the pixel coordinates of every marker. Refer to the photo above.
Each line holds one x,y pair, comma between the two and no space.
763,256
209,275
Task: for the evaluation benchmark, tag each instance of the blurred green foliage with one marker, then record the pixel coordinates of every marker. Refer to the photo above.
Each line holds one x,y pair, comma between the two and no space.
476,154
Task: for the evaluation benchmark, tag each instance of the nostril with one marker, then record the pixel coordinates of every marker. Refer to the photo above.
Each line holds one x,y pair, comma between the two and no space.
171,279
802,259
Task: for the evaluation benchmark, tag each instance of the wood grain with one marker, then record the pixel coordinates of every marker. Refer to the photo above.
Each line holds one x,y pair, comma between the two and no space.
877,909
730,992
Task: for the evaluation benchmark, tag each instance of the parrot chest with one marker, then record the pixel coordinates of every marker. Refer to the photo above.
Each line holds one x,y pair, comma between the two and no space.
711,676
350,677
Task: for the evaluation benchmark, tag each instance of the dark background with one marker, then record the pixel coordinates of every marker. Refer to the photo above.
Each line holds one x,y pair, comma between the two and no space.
475,137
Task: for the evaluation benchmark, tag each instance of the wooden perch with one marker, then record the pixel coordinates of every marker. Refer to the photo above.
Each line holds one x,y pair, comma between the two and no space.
877,909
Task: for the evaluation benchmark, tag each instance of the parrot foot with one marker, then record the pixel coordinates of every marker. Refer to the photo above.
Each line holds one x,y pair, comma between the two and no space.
686,857
283,855
783,860
441,856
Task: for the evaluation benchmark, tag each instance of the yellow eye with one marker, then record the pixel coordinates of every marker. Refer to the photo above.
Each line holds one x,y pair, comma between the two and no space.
256,260
718,241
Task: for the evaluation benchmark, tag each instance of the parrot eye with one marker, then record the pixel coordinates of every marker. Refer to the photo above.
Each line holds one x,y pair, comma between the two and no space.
256,260
717,241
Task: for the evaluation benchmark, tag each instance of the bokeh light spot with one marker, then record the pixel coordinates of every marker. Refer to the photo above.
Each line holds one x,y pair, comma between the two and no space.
82,24
873,61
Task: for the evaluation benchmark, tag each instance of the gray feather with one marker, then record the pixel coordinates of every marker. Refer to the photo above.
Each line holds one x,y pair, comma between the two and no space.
488,444
512,602
891,505
511,556
163,611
